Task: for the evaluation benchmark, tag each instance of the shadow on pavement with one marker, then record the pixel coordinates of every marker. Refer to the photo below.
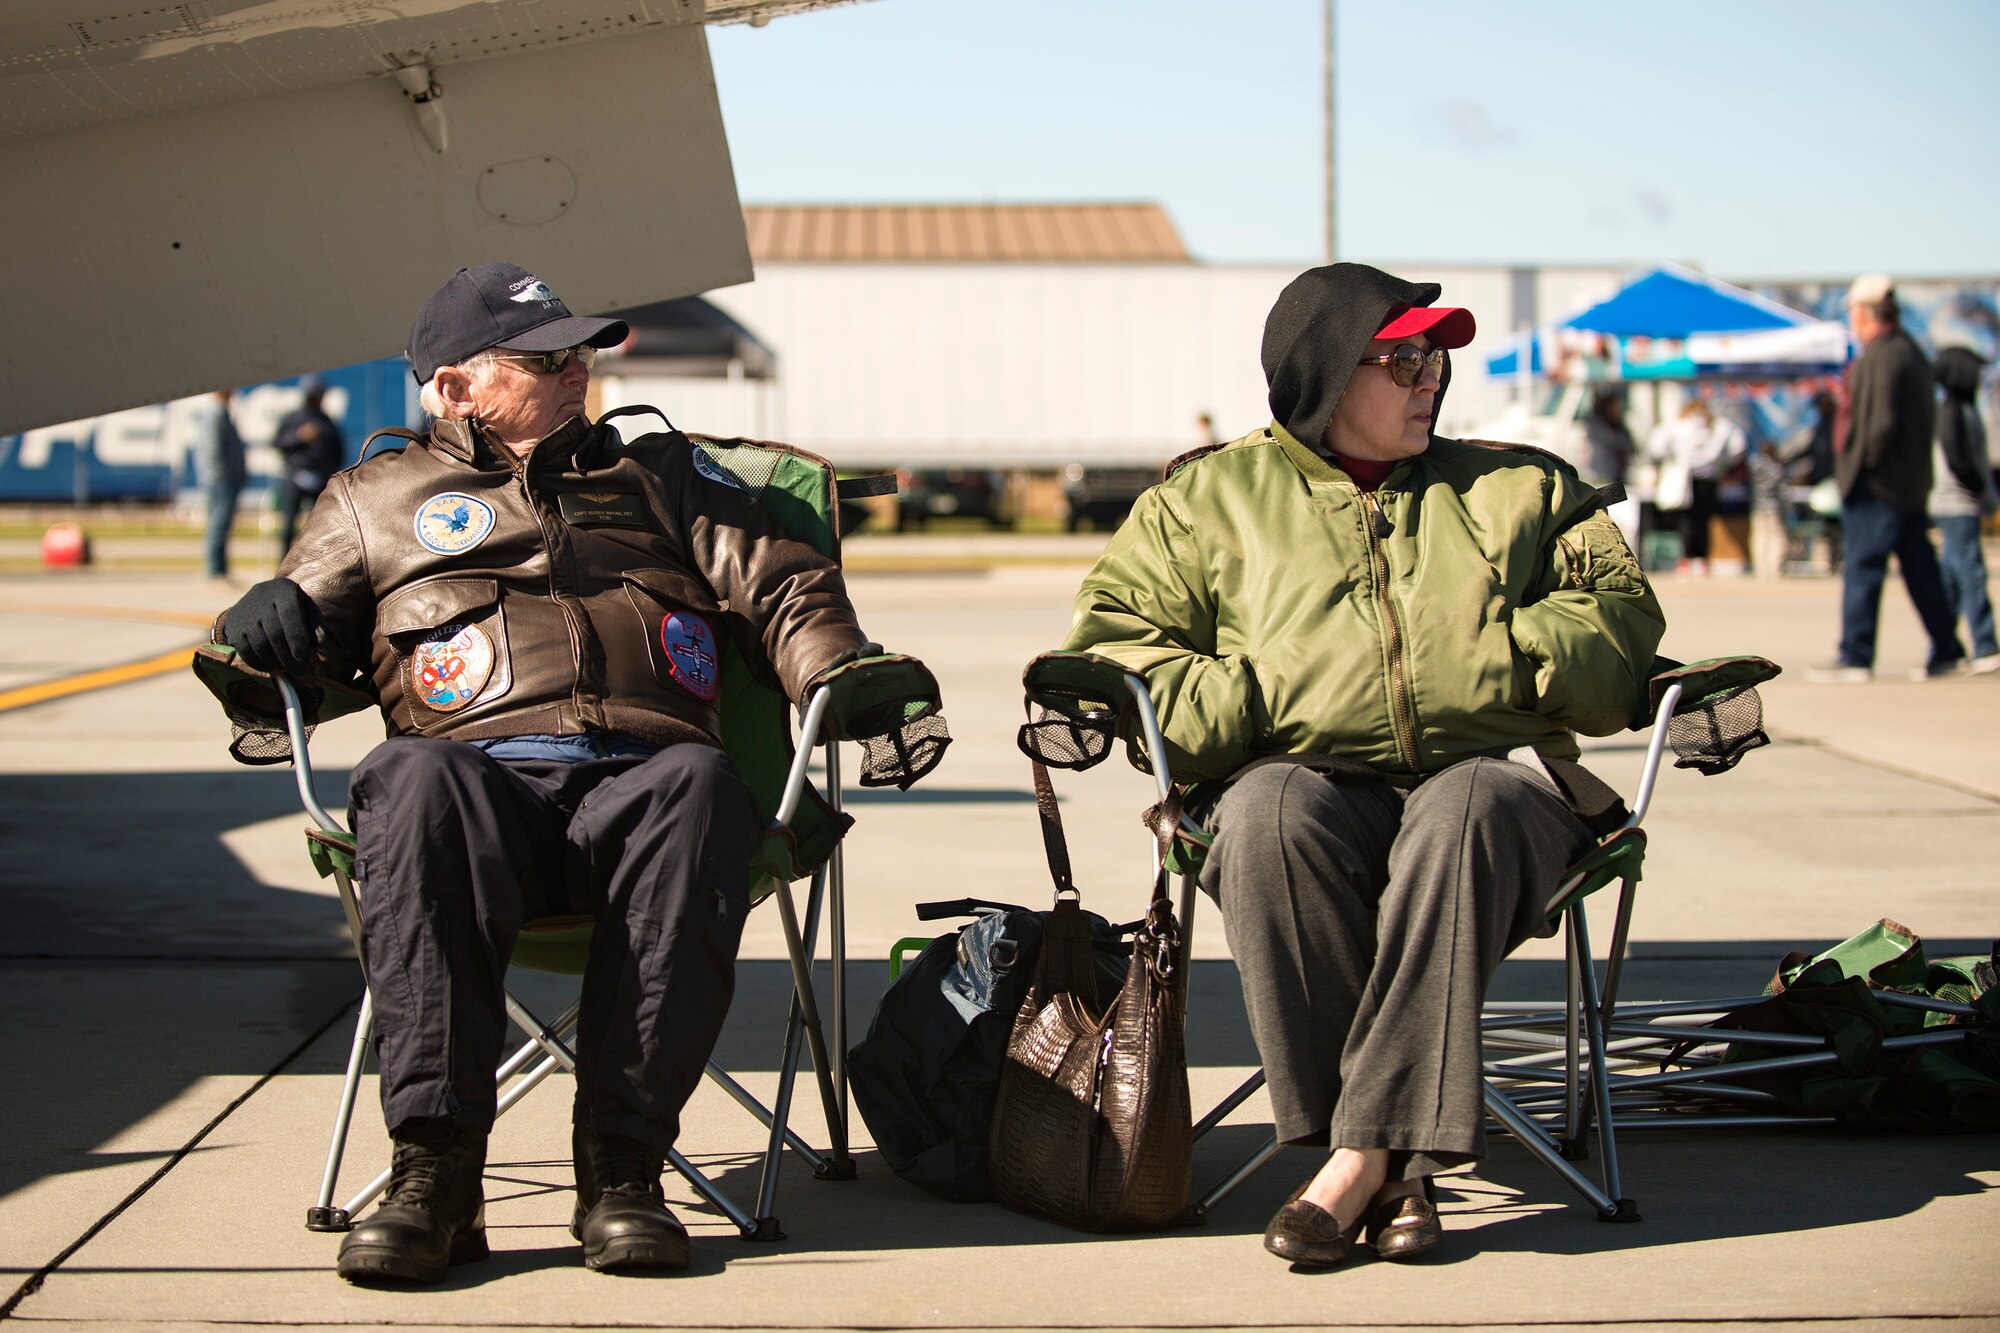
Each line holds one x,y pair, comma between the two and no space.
73,887
142,956
937,796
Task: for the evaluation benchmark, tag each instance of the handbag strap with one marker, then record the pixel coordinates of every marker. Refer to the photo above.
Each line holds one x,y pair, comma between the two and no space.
1163,818
1052,833
1159,935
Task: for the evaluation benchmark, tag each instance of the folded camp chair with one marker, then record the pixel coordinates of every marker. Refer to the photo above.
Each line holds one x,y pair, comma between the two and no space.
1709,712
274,718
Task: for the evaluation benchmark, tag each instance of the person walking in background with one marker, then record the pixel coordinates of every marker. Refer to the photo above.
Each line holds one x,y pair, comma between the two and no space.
312,449
1884,471
1814,459
1610,441
1611,448
219,466
1962,495
1693,451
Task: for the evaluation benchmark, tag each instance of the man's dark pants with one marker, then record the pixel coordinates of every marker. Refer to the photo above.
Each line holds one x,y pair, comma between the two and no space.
1871,530
457,849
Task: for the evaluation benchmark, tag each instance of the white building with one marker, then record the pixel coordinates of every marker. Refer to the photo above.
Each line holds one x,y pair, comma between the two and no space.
1025,336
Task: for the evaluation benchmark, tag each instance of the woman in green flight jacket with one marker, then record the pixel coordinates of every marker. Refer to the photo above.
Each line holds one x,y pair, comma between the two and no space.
1348,625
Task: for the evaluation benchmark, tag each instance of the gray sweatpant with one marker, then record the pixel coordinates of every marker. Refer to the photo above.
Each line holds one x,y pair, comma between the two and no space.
1367,923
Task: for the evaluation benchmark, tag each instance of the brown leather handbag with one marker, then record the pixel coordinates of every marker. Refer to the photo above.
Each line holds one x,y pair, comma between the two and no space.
1092,1126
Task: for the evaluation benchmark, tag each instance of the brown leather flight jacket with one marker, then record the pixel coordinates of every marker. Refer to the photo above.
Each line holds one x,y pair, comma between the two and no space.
580,590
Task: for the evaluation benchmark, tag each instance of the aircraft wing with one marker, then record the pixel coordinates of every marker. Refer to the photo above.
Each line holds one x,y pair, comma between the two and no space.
201,194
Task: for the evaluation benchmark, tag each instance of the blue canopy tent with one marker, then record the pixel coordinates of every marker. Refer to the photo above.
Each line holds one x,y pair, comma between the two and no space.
1505,360
1728,332
1674,302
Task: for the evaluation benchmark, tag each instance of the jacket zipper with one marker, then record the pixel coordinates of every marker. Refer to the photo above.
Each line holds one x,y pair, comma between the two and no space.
1401,718
555,594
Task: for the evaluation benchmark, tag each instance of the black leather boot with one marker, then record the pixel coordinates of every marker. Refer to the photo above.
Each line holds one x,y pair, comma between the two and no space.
433,1214
621,1214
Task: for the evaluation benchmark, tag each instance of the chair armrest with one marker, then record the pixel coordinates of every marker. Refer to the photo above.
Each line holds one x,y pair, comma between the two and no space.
1618,855
248,692
1719,716
1086,702
1702,682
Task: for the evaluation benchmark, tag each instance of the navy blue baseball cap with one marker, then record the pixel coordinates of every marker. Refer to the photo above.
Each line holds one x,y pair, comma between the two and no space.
499,305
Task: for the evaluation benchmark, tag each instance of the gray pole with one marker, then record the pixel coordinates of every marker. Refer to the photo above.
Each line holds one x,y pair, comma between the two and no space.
1326,70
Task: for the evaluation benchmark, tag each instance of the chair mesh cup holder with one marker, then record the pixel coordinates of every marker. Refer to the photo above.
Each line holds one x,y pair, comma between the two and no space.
1720,717
1713,736
904,753
1062,736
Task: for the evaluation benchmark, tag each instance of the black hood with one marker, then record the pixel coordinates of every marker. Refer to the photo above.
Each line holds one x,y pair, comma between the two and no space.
1317,332
1958,370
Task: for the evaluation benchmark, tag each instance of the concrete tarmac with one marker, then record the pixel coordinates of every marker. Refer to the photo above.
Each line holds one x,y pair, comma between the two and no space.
179,992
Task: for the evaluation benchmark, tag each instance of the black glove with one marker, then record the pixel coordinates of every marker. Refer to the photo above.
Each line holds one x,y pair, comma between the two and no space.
271,627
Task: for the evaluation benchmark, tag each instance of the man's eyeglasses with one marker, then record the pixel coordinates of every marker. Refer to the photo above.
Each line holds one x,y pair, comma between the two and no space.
1407,363
549,363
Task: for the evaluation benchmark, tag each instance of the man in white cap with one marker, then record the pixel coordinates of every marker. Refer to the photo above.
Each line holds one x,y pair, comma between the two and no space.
1884,472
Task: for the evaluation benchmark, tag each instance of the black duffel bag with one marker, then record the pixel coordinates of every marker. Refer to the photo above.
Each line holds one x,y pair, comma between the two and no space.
925,1076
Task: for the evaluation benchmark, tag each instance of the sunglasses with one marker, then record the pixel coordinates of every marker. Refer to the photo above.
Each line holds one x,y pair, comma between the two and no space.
549,363
1407,363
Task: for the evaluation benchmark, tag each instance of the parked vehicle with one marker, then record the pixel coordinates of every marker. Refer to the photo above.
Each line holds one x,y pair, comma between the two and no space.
952,493
1102,496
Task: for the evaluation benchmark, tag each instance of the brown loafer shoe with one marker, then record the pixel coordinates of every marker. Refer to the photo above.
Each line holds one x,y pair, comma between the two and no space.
1307,1235
1407,1227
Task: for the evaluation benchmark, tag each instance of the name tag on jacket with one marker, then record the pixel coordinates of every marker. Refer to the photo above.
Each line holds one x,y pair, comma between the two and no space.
603,509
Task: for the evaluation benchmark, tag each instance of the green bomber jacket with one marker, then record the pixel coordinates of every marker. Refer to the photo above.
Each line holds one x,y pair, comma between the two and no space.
1480,600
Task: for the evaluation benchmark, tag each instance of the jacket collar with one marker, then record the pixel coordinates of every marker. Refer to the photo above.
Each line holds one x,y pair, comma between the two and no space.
476,445
1316,467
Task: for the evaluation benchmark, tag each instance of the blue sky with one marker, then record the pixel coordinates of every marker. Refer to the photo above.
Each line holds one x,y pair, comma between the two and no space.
1754,139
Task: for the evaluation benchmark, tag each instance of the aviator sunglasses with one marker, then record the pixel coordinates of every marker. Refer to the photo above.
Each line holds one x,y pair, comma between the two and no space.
548,363
1407,362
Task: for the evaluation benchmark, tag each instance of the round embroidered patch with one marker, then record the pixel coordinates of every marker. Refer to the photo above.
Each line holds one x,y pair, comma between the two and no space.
713,470
690,649
448,671
452,523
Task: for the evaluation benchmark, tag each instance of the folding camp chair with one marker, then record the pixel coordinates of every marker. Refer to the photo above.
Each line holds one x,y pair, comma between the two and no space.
1708,712
802,837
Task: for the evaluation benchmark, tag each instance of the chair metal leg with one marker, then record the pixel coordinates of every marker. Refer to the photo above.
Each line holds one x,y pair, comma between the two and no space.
542,1054
1224,1108
323,1216
1600,1077
1244,1091
801,957
1237,1177
748,1101
1574,1145
1523,1127
1614,967
548,1037
801,1021
750,1228
836,906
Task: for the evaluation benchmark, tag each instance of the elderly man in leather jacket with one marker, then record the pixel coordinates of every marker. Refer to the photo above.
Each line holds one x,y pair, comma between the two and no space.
536,606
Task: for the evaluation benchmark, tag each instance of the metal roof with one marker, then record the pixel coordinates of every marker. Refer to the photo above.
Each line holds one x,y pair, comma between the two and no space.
963,233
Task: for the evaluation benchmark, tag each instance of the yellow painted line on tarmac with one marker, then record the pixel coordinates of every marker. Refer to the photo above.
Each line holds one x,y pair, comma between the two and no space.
177,660
155,615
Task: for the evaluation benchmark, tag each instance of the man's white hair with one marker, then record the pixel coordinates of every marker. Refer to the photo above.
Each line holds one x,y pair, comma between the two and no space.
432,401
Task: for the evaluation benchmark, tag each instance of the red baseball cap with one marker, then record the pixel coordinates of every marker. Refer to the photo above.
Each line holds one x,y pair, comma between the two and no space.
1448,325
